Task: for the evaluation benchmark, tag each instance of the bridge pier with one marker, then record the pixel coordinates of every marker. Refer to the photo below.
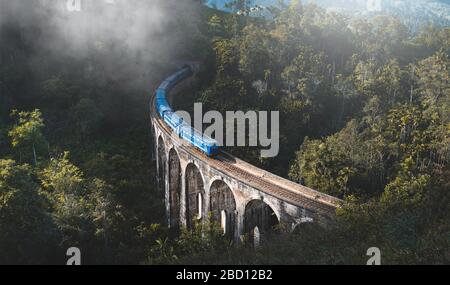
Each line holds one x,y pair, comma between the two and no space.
239,235
167,190
183,218
174,189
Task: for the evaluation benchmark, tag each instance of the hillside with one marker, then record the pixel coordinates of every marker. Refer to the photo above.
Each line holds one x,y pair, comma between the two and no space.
412,13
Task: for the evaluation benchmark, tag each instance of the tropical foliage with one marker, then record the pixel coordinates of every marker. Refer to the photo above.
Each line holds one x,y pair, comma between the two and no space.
365,111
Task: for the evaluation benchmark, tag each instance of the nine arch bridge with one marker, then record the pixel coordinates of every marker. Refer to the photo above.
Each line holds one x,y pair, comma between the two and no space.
244,199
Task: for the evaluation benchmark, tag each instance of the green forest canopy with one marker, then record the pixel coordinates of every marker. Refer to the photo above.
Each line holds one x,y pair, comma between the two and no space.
365,117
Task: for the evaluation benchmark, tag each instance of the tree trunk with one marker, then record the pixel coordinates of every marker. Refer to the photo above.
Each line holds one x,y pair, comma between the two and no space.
34,155
411,94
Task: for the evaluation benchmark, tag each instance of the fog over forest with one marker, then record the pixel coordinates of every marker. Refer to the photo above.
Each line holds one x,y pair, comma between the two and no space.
141,28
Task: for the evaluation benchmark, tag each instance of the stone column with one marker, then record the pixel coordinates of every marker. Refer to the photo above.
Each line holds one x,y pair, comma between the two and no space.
157,161
240,213
167,189
207,197
183,220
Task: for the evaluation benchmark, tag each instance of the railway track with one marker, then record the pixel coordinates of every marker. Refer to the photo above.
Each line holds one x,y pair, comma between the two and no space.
229,166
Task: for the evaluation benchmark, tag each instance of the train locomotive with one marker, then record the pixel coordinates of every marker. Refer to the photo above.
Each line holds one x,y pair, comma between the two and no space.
207,145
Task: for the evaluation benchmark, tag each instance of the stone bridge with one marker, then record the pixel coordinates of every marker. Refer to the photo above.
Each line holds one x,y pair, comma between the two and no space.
246,201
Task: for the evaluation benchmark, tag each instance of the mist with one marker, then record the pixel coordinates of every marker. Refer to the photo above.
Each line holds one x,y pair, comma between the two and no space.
114,54
147,31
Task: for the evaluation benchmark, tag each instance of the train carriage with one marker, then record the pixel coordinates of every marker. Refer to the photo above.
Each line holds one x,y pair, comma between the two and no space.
162,106
173,120
205,144
200,141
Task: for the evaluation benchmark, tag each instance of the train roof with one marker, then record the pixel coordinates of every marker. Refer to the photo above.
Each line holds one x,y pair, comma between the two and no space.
164,85
209,141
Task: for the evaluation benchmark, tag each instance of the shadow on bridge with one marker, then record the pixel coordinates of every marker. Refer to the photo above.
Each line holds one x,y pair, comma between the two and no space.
259,222
174,189
223,207
161,165
195,195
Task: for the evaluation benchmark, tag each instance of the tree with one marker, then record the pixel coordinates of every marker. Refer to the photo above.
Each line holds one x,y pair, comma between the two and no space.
27,130
86,117
226,58
323,165
254,46
215,26
104,210
434,78
408,187
27,233
57,94
390,79
365,76
434,96
64,185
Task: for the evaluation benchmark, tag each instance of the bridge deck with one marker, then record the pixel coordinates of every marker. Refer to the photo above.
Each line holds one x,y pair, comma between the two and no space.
255,177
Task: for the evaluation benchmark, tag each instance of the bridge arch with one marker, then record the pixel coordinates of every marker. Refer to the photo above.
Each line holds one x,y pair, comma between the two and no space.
307,227
162,160
259,221
175,186
195,195
223,207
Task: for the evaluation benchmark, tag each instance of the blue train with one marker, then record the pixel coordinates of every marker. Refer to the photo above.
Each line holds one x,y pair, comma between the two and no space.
207,145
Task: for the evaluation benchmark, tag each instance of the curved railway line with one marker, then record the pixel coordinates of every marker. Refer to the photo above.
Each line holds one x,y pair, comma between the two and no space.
252,176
